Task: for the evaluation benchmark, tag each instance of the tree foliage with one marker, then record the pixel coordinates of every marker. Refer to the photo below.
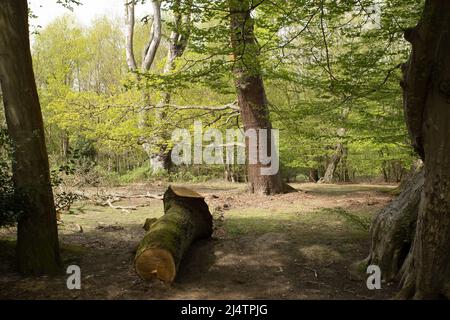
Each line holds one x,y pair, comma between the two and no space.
337,62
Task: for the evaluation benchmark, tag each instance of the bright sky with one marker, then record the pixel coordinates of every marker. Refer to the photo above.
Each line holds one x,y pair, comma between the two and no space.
48,10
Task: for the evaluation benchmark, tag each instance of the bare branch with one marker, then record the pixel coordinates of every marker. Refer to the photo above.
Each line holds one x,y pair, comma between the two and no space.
232,106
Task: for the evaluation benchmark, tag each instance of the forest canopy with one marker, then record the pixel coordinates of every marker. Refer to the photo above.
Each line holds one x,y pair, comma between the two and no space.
338,65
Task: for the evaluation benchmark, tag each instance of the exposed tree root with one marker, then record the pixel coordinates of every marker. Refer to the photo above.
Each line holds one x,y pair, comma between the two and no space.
392,231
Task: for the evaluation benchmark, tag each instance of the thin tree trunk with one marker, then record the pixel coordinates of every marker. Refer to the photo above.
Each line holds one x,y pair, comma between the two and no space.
332,165
147,61
65,145
340,150
250,91
148,58
129,34
345,175
37,236
313,175
156,147
385,171
160,160
155,37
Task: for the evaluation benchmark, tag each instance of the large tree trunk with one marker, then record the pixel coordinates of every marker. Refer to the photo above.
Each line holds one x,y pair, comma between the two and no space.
427,88
250,91
186,219
425,272
37,237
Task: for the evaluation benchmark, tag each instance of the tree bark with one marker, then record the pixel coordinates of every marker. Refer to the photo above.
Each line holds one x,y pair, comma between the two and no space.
160,160
345,176
155,37
37,236
340,150
129,34
427,88
250,91
392,231
156,147
425,273
332,165
313,175
148,58
186,218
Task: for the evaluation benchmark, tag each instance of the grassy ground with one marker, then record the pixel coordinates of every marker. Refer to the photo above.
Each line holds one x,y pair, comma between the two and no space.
294,246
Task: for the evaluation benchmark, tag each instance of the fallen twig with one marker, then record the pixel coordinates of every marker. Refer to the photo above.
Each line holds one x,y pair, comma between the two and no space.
309,269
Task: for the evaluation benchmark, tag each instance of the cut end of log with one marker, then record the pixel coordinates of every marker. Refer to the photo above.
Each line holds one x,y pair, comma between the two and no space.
156,263
185,192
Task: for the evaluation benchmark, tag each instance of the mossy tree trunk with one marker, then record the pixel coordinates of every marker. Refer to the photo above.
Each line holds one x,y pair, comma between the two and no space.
186,218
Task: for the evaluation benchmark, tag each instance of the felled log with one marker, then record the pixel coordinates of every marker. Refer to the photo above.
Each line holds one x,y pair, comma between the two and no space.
186,218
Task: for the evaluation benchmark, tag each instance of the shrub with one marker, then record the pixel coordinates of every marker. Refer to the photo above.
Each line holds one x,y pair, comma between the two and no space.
9,212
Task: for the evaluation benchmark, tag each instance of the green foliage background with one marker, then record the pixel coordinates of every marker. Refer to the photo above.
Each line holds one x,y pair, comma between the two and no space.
328,66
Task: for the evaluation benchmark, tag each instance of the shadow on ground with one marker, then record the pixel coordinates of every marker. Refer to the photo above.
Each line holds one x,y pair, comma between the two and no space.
256,254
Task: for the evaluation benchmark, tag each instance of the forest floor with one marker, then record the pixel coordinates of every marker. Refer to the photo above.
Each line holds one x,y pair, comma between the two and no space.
294,246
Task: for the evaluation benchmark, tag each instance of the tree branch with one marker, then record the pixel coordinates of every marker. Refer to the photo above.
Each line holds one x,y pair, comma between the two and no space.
129,34
155,39
232,106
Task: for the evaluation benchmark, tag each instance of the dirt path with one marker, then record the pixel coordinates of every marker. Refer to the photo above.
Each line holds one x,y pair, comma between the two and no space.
293,246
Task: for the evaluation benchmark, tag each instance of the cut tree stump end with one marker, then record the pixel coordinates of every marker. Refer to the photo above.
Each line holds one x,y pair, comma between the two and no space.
156,263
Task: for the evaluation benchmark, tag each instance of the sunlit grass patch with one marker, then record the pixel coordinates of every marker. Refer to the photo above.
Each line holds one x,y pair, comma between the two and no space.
340,189
256,221
320,254
90,216
336,222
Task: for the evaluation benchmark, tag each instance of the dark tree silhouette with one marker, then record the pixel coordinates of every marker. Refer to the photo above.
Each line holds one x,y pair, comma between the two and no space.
37,238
